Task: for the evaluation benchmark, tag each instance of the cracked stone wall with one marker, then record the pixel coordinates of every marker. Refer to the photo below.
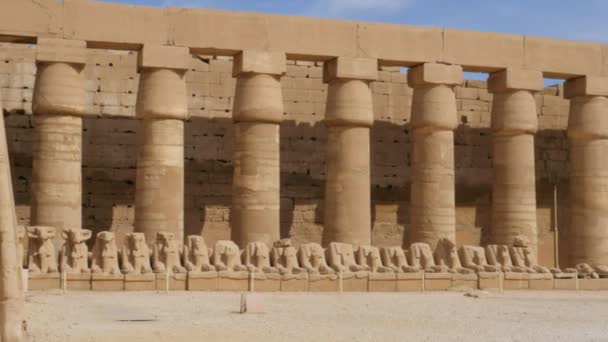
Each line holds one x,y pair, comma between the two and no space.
109,151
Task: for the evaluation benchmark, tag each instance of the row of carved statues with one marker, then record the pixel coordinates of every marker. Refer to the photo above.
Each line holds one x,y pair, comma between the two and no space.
167,255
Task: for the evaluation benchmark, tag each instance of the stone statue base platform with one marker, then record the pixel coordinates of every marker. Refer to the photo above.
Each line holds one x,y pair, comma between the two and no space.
566,284
437,281
44,281
382,282
107,282
78,282
294,282
202,281
323,283
541,281
516,281
351,282
465,280
140,282
175,281
233,281
409,282
490,280
593,284
266,282
355,281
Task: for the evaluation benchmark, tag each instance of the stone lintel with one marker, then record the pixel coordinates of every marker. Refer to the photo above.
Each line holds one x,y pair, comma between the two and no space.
586,86
350,68
515,79
435,73
164,57
260,62
50,50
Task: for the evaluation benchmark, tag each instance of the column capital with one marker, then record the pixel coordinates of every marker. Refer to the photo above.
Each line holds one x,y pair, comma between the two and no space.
259,62
164,57
364,69
586,86
52,50
515,79
434,74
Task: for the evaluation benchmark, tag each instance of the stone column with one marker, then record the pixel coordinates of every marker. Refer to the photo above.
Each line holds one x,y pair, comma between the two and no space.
11,288
258,111
514,123
434,118
162,108
58,105
348,118
588,138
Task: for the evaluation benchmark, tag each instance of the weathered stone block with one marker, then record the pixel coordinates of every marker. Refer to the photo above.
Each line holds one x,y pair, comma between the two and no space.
351,68
515,79
437,281
382,282
435,73
294,282
566,284
355,282
233,281
465,281
174,282
266,282
78,282
202,281
323,283
516,281
541,281
585,86
409,282
140,282
490,280
45,281
593,284
61,50
259,62
164,57
107,282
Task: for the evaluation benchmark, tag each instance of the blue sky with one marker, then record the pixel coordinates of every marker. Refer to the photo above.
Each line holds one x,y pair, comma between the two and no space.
566,19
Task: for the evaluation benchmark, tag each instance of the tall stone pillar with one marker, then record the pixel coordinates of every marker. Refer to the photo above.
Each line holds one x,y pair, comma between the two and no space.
348,118
162,108
258,111
588,137
514,123
58,105
11,291
434,118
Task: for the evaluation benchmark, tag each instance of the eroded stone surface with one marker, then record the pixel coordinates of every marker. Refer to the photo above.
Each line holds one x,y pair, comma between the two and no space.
74,254
105,254
136,254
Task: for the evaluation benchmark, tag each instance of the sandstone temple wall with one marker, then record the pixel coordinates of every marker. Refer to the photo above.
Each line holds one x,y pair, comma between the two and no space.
109,149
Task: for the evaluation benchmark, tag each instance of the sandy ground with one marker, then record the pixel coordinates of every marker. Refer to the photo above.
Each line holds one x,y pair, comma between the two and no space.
446,316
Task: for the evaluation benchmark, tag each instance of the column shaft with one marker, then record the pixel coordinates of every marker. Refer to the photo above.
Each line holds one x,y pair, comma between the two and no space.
56,172
432,201
258,111
159,196
58,105
514,123
434,118
161,109
588,136
11,288
349,116
256,183
347,186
